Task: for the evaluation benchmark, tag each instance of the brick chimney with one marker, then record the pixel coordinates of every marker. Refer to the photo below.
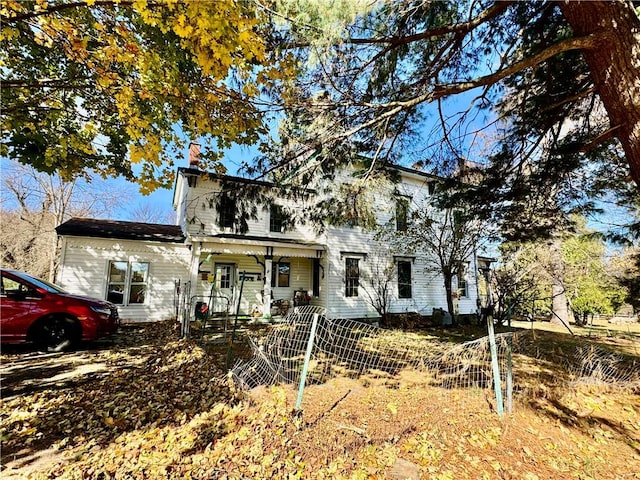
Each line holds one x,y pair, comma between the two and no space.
194,155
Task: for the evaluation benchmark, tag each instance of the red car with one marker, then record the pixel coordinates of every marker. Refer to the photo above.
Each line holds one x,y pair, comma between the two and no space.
33,310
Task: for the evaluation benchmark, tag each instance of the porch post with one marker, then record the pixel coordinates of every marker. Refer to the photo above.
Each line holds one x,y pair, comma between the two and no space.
268,266
196,248
193,278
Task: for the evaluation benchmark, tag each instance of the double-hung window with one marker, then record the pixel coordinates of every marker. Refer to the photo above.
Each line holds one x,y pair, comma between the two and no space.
402,212
352,276
404,279
226,211
277,219
463,283
127,282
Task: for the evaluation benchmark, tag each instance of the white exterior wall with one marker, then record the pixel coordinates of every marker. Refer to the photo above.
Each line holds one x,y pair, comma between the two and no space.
84,271
427,290
179,201
356,243
84,260
202,220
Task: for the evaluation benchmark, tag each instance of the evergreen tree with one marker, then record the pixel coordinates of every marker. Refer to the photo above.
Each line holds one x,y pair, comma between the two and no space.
556,84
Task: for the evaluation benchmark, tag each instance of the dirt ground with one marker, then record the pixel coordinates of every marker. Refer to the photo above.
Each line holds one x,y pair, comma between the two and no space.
145,405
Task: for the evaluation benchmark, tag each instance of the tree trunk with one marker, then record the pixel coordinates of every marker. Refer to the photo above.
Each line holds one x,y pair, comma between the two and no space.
615,65
559,295
448,287
560,313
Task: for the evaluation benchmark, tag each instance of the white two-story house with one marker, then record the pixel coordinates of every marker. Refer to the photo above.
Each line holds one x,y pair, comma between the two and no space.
237,246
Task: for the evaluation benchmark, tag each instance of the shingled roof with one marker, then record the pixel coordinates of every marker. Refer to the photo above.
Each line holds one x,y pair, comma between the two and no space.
91,227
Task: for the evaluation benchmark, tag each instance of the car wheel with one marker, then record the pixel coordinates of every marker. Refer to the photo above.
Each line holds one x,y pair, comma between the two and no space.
56,334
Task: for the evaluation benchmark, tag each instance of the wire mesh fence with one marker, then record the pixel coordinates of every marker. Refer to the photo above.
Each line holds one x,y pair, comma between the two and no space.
593,364
349,348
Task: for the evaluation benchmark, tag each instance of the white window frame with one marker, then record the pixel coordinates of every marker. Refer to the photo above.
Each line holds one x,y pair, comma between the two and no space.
127,283
277,213
463,280
275,274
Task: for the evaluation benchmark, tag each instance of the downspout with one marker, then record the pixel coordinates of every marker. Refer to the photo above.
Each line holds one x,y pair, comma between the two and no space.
63,251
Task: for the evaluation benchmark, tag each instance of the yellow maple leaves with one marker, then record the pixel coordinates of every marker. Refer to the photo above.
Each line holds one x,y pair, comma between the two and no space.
159,66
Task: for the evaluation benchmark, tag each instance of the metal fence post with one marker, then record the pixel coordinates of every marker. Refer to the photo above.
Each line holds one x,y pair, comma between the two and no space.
509,374
307,359
495,366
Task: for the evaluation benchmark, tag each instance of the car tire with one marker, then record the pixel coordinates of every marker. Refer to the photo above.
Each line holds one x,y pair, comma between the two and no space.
56,334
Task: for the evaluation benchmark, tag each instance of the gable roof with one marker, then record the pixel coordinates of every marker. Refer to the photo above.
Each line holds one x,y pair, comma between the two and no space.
91,227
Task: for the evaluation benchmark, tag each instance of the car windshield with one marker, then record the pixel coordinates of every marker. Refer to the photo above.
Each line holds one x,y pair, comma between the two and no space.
38,282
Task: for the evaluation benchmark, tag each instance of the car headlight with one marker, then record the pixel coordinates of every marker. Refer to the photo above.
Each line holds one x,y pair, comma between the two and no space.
102,310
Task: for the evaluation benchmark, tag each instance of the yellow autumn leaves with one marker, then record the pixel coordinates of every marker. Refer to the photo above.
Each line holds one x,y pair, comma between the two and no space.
162,71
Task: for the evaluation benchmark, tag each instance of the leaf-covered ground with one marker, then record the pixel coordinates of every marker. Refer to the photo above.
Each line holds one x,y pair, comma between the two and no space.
155,407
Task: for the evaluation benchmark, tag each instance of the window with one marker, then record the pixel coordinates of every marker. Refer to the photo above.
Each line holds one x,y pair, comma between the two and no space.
352,276
226,211
280,274
316,277
277,219
463,284
404,279
458,220
402,210
127,283
15,289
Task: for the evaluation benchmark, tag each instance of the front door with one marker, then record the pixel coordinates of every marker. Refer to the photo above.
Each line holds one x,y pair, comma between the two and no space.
224,278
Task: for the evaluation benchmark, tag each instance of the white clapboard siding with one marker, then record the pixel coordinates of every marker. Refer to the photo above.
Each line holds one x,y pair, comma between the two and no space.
84,271
84,260
202,219
343,243
428,290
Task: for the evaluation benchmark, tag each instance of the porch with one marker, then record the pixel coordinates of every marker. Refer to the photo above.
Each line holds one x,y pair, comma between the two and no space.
255,277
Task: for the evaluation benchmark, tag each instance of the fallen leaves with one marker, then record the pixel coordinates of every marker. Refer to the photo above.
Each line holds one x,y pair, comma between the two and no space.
166,411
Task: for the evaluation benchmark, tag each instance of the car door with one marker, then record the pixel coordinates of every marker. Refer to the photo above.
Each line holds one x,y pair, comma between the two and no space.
18,300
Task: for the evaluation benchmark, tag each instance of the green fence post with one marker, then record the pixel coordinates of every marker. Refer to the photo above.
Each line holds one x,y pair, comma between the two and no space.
235,323
307,359
509,375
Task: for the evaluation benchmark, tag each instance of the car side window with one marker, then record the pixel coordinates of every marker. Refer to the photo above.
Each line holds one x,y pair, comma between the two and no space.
14,289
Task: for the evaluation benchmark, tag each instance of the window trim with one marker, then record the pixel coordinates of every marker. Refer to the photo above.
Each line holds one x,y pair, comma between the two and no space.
232,274
464,279
226,211
402,213
277,219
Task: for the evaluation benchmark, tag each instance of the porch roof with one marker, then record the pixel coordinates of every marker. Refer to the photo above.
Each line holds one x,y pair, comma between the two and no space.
258,245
